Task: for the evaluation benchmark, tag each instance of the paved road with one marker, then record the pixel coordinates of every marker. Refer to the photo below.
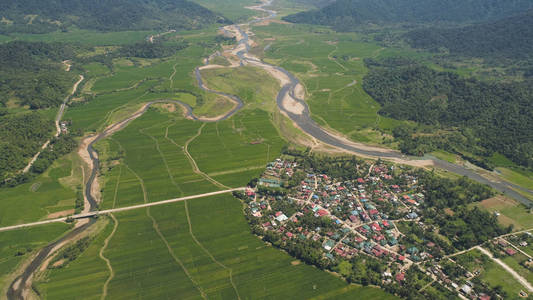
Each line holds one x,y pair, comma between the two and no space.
107,211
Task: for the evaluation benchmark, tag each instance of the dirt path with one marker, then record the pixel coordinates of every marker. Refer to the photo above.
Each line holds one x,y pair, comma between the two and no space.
58,118
108,263
195,168
193,162
513,273
163,239
230,270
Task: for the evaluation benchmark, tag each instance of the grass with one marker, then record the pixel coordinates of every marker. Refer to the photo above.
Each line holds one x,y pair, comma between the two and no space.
495,275
50,192
515,263
511,212
254,86
491,273
17,245
446,156
518,176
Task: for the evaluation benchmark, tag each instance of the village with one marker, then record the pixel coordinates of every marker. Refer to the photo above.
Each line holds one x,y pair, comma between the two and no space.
360,218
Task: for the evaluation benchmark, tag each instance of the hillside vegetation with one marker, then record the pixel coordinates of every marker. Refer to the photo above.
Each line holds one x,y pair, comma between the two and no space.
345,15
464,116
107,15
32,74
508,38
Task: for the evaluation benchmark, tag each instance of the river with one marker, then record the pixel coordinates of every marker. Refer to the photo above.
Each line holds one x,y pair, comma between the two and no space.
19,287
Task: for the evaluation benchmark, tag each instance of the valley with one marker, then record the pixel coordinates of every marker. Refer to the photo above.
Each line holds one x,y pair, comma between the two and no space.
163,141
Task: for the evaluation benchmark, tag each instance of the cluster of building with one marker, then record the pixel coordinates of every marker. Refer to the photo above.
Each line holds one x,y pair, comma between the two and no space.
357,211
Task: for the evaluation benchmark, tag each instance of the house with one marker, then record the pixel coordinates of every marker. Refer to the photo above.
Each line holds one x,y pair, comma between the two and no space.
281,218
412,215
400,277
412,250
510,251
466,289
484,297
328,245
322,212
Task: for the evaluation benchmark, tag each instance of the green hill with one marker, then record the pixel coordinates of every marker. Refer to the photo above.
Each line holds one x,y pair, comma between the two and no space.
507,38
106,15
344,15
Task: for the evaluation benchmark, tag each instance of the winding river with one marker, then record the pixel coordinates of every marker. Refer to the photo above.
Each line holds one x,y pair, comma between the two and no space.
304,121
21,285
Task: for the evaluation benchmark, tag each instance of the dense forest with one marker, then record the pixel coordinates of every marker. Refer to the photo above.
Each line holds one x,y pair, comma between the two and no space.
508,38
463,116
21,136
36,16
31,73
346,15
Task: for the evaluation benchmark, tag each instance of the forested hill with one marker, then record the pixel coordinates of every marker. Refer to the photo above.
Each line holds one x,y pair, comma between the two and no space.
107,15
508,38
31,73
463,116
345,15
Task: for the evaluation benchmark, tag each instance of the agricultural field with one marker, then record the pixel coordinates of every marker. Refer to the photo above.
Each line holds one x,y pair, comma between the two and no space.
254,86
238,147
136,81
179,245
17,245
48,194
331,68
510,212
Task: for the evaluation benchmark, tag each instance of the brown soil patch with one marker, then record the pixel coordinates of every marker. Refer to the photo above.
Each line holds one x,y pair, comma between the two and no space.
497,202
292,105
58,263
60,214
295,262
449,211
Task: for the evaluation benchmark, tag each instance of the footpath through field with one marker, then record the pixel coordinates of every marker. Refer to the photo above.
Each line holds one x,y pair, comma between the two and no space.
113,210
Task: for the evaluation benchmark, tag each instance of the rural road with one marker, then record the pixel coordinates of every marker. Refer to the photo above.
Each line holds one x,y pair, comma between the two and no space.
114,210
59,116
515,275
